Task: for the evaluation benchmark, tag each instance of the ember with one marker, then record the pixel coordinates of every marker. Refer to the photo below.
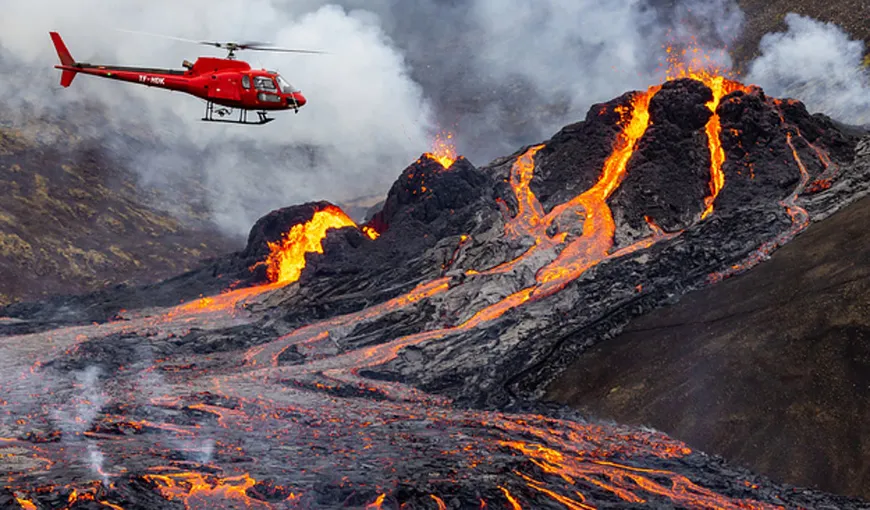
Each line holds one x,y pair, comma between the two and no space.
444,152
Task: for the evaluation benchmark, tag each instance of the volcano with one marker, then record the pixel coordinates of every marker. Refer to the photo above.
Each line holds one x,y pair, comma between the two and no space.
401,363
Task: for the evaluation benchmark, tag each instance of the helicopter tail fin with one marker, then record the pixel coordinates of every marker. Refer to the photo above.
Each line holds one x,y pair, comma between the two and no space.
66,59
66,78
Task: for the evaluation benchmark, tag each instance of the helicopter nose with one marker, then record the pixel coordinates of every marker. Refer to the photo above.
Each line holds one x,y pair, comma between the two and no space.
299,99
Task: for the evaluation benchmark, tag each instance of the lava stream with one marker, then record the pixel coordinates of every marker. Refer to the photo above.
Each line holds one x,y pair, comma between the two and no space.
196,490
287,258
698,66
565,456
284,263
576,257
799,216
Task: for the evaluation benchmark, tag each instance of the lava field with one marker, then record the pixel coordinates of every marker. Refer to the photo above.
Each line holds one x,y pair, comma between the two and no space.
399,363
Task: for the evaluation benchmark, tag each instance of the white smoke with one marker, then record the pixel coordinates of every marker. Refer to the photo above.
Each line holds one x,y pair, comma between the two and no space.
501,74
150,385
96,460
79,413
817,63
367,118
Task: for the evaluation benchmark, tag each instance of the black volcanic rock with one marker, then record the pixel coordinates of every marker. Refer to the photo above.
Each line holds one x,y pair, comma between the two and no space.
271,227
681,105
426,190
425,215
769,369
668,176
571,161
758,158
7,499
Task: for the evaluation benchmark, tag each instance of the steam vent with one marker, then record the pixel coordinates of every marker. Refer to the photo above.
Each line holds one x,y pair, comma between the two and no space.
402,362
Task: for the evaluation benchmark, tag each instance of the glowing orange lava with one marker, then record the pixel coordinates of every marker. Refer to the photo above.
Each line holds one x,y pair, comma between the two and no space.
443,150
287,258
224,302
617,478
513,502
197,489
599,227
800,218
697,65
370,232
438,501
26,504
582,455
376,504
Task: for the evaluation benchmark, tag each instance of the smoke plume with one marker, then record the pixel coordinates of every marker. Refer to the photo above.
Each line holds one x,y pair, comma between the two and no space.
817,63
365,116
498,74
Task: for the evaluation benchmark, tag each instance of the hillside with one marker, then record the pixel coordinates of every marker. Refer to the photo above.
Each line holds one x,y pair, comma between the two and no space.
75,219
764,16
770,369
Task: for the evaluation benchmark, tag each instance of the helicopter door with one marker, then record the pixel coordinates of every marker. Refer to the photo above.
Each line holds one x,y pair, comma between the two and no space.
224,87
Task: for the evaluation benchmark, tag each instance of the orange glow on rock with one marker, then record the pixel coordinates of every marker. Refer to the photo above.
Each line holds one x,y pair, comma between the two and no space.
443,150
511,500
376,504
25,504
370,232
198,490
697,65
287,258
438,501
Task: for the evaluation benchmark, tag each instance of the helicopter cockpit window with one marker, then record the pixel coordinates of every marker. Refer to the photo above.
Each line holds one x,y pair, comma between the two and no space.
285,85
264,83
246,82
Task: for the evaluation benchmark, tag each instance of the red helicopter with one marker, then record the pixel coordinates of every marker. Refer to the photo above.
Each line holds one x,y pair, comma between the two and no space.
225,82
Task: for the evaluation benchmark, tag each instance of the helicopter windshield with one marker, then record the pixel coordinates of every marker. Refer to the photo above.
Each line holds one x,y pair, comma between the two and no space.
285,85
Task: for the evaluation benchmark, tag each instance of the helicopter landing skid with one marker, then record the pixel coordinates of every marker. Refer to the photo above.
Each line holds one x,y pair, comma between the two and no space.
210,112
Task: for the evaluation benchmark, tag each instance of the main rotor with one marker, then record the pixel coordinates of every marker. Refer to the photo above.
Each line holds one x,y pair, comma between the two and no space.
231,47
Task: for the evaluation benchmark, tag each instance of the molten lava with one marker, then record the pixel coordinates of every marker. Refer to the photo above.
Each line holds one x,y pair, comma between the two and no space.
287,258
370,232
198,491
443,150
26,504
693,63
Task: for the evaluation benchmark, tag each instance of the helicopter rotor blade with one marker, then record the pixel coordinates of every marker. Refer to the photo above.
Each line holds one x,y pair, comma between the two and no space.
157,35
233,46
282,50
251,44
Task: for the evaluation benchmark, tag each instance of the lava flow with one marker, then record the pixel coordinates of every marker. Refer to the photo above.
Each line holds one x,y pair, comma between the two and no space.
285,262
200,409
695,64
287,258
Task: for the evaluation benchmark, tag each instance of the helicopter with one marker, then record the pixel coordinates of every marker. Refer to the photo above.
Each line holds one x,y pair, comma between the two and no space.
224,83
